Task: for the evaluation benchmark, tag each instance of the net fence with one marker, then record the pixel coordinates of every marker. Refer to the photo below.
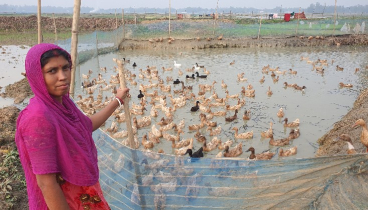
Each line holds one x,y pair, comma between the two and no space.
193,27
134,179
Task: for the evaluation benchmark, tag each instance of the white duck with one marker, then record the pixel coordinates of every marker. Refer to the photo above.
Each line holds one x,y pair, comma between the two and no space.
177,65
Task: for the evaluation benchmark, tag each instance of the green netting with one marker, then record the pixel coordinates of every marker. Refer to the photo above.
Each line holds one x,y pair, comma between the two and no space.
133,179
98,42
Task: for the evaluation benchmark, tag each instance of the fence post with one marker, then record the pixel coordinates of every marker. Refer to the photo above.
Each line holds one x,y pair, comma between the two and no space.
130,131
260,24
297,26
122,19
39,22
74,47
56,38
169,17
116,20
334,19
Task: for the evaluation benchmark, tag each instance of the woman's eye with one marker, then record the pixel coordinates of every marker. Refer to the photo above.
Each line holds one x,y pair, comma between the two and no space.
52,71
65,68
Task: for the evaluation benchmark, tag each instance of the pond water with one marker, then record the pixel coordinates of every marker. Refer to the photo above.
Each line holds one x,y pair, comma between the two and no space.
12,65
321,104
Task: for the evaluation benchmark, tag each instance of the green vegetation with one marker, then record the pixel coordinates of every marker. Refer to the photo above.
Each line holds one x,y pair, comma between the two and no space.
11,179
30,37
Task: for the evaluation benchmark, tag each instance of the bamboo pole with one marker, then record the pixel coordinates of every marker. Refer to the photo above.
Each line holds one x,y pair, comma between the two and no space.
116,20
260,24
169,17
215,19
122,14
73,50
297,26
126,102
56,38
334,19
130,132
98,61
39,21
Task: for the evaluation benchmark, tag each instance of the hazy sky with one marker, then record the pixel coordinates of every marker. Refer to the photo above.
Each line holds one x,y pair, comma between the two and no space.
259,4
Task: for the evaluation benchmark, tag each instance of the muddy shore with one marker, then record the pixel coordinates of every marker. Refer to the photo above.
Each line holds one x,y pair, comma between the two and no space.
263,42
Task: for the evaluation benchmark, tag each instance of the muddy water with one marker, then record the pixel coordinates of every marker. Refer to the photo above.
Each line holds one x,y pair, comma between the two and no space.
322,103
12,65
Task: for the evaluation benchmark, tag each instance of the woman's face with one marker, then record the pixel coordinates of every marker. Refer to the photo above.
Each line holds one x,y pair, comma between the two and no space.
57,76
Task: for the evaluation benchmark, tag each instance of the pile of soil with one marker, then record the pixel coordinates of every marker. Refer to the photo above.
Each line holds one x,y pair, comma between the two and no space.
272,42
24,23
19,91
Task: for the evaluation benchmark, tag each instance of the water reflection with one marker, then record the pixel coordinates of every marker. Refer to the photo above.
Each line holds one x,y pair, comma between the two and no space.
318,107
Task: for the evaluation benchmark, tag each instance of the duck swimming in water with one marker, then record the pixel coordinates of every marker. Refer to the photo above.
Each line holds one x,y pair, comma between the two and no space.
190,77
195,108
134,65
201,76
262,156
140,95
177,81
196,154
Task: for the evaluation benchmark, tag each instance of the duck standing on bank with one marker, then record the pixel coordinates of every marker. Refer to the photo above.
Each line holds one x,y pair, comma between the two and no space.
347,138
364,134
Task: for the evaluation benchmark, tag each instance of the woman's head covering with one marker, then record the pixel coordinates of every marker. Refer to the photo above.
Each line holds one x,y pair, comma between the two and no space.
53,137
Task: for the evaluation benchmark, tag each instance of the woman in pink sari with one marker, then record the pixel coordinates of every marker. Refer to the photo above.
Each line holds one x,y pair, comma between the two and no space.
54,138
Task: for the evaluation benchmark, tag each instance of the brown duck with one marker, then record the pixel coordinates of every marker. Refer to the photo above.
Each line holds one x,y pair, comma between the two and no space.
279,142
262,156
364,135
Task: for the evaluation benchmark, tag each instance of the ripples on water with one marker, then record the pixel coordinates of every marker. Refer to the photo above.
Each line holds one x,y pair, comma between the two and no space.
322,104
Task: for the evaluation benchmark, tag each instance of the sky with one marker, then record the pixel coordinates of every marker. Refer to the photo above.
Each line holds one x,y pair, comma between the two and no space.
258,4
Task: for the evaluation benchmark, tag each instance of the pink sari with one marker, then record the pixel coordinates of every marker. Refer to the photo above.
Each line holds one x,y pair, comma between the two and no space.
53,138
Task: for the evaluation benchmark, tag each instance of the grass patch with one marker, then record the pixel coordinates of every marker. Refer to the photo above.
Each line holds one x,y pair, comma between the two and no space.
30,37
12,181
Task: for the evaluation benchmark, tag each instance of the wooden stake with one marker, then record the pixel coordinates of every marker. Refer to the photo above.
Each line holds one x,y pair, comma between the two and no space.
215,19
56,38
334,19
126,102
297,26
260,24
122,14
169,17
116,20
74,47
39,22
130,134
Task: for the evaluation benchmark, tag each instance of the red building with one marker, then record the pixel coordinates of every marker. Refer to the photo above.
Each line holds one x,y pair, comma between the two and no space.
299,16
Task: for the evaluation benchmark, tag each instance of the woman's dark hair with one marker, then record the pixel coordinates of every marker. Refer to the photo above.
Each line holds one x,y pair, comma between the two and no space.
53,53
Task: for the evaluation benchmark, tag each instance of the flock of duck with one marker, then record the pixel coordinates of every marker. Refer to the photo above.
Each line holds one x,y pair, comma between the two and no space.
164,99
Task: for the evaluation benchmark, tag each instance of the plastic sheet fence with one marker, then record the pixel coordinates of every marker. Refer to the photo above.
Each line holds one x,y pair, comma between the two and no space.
133,179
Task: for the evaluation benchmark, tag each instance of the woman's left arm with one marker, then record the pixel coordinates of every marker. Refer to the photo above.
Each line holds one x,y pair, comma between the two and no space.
100,117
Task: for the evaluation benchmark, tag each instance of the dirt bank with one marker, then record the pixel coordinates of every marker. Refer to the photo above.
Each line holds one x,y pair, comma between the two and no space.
24,23
130,44
328,145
